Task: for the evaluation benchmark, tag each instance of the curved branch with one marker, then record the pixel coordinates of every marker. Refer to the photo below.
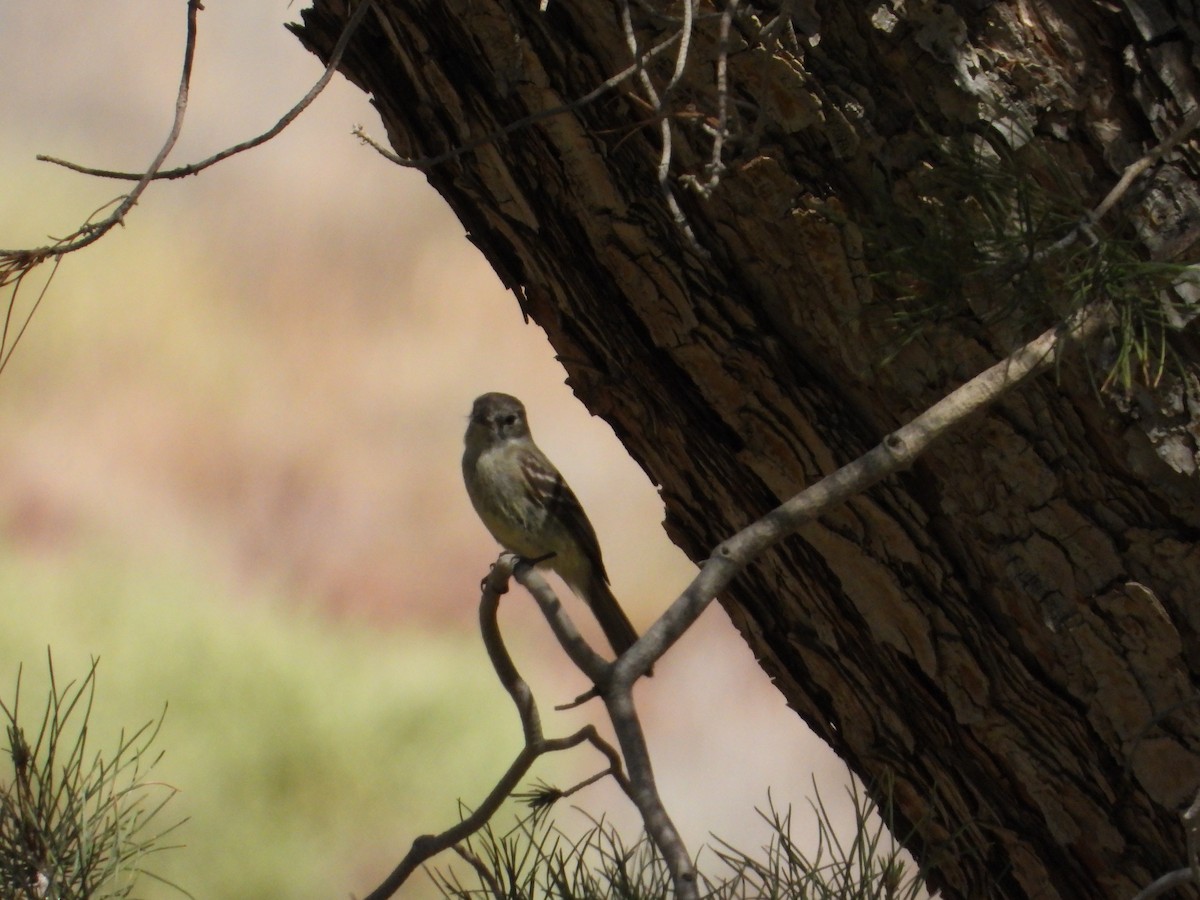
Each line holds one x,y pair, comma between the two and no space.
427,846
591,663
494,586
88,233
290,116
1167,882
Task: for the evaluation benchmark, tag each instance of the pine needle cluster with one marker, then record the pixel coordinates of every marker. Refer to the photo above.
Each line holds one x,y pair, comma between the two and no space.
535,859
76,824
996,232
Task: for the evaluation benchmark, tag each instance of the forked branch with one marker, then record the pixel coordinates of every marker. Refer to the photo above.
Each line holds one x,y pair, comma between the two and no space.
536,744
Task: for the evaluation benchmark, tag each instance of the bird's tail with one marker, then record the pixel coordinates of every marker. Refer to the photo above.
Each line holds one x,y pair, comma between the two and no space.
616,625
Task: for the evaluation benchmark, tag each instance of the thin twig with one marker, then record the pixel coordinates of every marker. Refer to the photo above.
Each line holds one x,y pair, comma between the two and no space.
586,659
89,233
638,68
685,45
290,116
7,351
587,782
16,264
1161,885
716,165
1135,169
1191,826
1128,177
666,151
484,873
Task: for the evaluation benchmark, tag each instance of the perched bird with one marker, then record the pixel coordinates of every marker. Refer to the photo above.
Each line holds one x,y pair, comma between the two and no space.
530,510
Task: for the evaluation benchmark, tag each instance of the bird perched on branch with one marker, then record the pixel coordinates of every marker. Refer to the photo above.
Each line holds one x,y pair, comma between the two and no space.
532,512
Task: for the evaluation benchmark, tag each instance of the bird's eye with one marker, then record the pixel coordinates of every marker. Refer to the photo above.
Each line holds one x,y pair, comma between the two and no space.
509,419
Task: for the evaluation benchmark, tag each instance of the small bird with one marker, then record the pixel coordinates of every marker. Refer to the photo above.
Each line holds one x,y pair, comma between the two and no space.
530,510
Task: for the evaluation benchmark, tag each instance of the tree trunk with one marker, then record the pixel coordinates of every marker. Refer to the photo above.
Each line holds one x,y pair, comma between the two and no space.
1006,636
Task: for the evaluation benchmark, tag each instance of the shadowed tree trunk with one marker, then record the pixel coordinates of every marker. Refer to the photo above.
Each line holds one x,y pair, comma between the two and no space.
1007,635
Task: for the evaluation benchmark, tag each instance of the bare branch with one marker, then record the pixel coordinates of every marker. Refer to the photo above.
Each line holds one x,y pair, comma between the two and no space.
1191,825
618,699
1128,177
588,782
1135,169
897,451
290,116
652,96
644,791
591,663
666,152
16,264
716,165
685,45
89,233
536,745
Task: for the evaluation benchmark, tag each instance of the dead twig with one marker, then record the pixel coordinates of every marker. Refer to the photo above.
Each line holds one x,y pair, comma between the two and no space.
335,59
1130,174
89,233
15,265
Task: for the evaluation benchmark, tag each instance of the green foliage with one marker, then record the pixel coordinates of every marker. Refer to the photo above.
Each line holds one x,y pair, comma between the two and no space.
995,229
1139,347
965,227
535,859
77,825
868,865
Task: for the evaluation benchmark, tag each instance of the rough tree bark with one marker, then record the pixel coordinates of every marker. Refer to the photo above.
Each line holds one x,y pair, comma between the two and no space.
1008,634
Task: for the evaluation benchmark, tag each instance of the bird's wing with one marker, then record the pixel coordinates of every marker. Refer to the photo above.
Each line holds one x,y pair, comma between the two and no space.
542,480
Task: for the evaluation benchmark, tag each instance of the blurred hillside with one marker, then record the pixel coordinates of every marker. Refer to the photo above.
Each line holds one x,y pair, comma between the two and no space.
229,449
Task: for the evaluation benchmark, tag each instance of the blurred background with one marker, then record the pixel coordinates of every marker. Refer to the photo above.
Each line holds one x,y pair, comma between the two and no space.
229,469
